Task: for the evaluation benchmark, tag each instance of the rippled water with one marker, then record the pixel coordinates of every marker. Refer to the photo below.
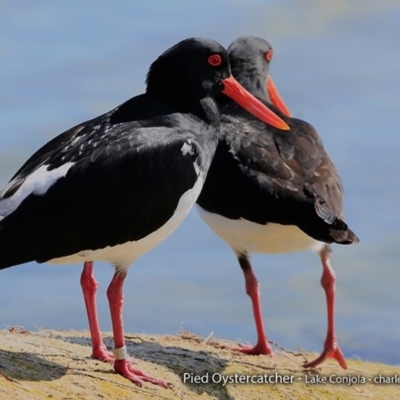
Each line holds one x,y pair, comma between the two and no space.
336,64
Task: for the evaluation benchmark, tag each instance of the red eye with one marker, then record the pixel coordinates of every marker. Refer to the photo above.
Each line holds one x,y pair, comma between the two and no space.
215,60
268,55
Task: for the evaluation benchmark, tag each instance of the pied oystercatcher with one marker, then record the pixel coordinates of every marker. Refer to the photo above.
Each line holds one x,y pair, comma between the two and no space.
114,187
271,191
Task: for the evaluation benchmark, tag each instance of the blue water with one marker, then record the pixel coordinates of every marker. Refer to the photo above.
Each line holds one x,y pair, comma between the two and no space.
336,64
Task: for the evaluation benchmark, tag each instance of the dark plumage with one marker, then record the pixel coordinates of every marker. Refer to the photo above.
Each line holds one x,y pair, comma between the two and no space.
272,191
114,187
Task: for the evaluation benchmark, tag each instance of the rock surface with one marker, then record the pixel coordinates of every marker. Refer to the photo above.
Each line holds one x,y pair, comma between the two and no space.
57,365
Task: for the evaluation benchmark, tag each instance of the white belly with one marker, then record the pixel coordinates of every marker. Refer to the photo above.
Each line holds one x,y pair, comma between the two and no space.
248,237
123,255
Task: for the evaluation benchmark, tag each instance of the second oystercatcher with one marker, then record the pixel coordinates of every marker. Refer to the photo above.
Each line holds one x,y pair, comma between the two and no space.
114,187
270,191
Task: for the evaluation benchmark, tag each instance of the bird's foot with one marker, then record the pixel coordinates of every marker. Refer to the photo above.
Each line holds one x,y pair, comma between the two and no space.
261,348
102,354
330,351
124,368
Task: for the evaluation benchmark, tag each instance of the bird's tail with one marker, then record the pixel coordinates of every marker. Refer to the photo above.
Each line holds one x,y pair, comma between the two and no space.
342,234
13,249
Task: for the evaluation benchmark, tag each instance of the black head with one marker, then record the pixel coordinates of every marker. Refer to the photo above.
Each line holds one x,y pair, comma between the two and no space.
250,58
189,71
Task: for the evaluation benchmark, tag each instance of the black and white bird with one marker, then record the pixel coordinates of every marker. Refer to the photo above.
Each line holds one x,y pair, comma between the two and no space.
271,191
114,187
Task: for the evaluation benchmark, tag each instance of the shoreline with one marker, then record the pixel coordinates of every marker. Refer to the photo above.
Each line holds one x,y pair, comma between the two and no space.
57,365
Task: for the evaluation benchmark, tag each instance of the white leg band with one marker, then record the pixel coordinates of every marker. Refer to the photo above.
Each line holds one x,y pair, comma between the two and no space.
120,354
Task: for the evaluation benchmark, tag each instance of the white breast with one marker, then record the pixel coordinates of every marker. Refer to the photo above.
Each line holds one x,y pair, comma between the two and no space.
248,237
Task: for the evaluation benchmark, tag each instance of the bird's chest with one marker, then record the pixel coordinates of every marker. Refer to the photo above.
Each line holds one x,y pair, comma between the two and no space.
124,254
248,237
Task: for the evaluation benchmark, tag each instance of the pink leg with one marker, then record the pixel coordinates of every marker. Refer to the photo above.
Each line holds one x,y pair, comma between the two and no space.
122,364
331,347
253,290
89,288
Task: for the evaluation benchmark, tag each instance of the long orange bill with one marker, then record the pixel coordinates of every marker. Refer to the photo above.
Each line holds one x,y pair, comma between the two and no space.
238,93
276,98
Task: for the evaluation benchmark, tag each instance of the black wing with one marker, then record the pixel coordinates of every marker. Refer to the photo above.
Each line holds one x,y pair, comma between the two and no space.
266,175
111,194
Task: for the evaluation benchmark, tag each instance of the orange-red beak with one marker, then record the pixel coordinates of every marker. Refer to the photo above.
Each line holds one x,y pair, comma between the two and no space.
276,98
240,95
